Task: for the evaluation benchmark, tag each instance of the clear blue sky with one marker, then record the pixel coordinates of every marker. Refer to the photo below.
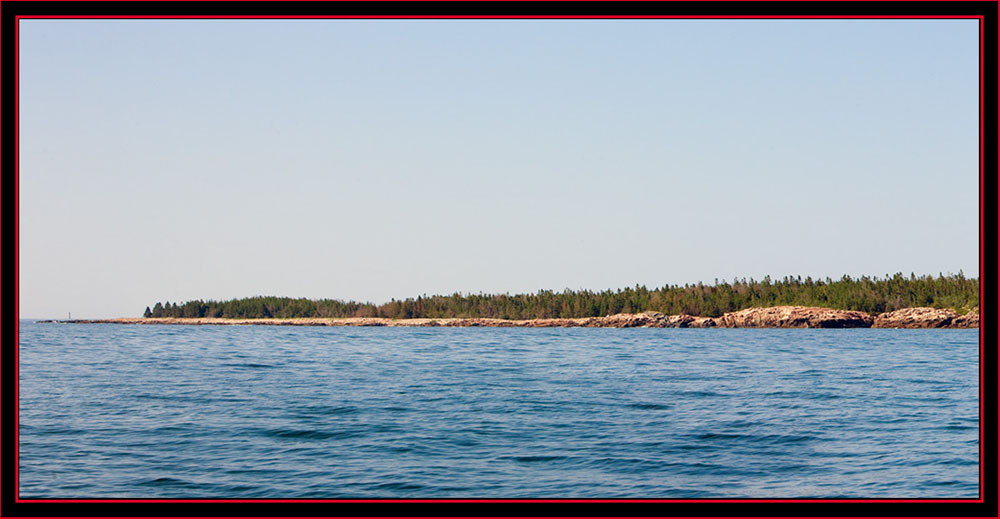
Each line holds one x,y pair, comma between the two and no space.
372,159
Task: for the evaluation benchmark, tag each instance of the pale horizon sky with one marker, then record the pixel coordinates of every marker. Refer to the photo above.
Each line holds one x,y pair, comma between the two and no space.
375,159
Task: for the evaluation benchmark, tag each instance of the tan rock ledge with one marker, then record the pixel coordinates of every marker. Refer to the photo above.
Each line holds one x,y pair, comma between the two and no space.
924,317
795,317
769,317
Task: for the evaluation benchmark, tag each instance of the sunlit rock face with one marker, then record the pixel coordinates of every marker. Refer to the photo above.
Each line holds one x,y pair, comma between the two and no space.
795,317
923,317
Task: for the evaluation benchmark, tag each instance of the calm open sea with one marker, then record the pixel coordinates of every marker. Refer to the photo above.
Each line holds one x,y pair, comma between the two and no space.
328,412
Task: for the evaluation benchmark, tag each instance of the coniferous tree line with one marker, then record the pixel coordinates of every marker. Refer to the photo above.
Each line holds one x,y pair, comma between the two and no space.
868,294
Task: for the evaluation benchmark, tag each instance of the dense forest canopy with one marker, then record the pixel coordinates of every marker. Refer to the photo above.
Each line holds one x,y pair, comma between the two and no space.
868,294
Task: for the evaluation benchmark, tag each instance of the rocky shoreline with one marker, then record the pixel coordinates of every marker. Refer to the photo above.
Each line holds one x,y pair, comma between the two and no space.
770,317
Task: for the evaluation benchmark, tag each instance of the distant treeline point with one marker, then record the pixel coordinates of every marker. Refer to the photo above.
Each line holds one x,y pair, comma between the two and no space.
867,294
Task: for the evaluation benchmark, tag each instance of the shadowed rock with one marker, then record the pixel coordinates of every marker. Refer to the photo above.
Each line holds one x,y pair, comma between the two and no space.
705,322
795,317
969,320
919,317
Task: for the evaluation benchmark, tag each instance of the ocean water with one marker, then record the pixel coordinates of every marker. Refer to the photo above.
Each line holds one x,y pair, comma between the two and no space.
328,412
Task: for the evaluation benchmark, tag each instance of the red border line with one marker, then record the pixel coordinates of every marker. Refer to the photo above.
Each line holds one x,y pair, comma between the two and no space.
503,17
982,113
404,500
17,19
982,173
17,261
16,248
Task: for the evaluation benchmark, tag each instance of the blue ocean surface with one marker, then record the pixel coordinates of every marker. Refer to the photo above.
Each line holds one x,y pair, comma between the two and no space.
139,411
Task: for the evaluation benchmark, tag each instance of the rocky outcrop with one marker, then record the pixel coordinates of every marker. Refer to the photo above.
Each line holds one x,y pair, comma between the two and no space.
679,321
795,317
705,322
772,317
919,317
547,323
647,319
969,320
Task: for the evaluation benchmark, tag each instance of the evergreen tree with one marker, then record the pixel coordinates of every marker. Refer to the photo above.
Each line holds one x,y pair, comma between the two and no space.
873,295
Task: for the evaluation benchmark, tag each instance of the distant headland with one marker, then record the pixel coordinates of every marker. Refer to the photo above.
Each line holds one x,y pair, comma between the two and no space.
896,301
770,317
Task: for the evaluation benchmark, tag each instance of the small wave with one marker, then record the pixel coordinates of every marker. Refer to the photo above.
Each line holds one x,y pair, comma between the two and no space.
650,406
951,461
720,436
958,427
887,420
738,424
327,410
823,396
639,465
309,434
243,490
534,459
250,365
55,431
168,482
924,399
186,399
633,465
254,472
791,394
692,447
756,438
946,483
399,486
700,394
699,468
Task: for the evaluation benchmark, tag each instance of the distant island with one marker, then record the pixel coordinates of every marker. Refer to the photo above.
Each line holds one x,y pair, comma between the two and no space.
768,317
895,301
864,294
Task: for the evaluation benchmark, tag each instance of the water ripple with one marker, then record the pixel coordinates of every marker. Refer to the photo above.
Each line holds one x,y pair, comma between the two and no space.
326,412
